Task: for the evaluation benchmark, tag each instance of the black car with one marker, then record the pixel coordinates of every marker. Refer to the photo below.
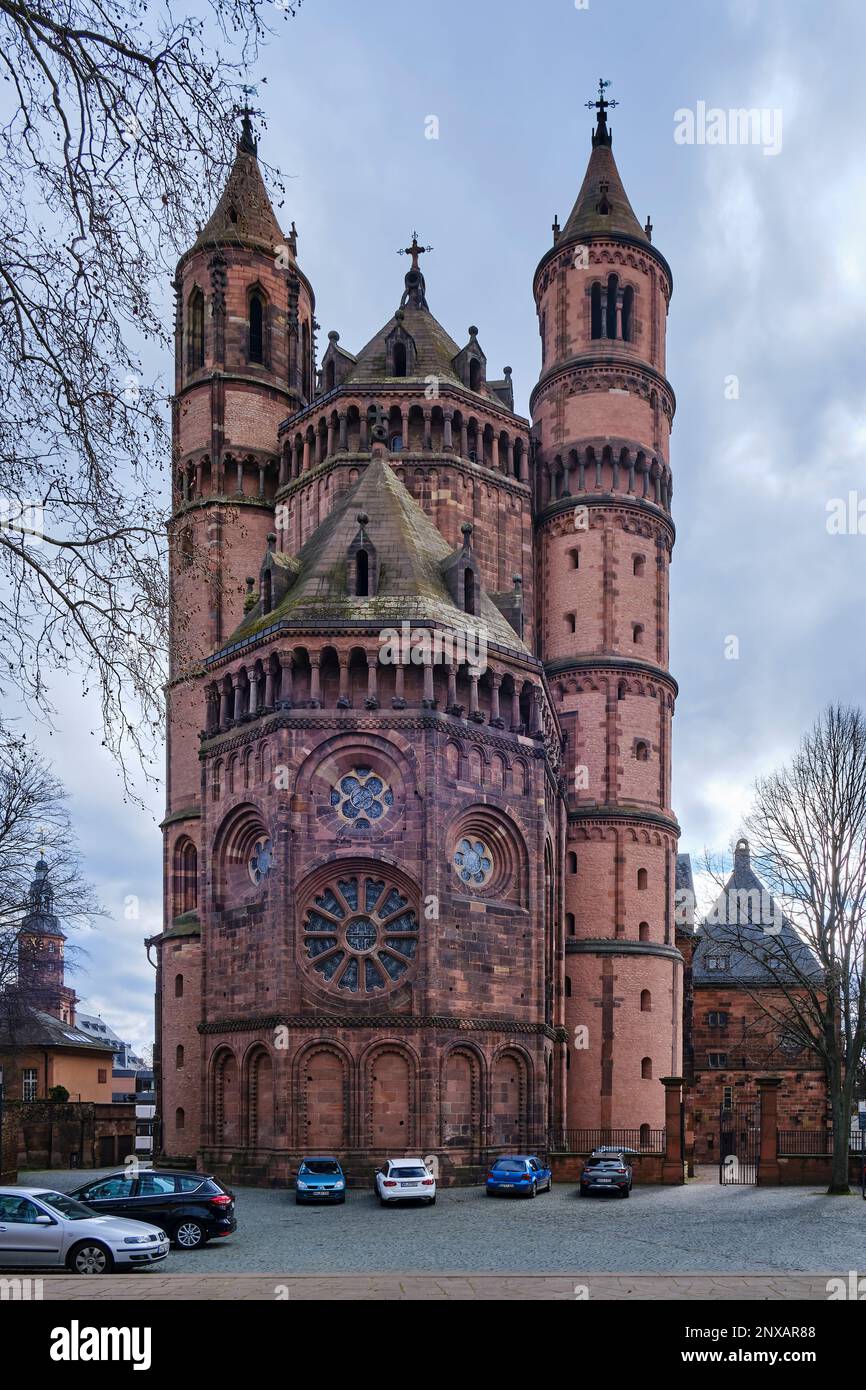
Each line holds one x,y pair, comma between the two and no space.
607,1170
191,1207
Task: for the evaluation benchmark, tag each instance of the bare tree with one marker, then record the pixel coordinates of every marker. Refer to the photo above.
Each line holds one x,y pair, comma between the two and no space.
807,833
117,129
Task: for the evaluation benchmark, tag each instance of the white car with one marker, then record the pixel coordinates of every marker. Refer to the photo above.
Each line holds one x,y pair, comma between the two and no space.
405,1180
44,1229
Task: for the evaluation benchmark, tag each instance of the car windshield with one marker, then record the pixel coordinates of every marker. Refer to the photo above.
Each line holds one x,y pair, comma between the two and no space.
508,1165
605,1163
321,1166
409,1173
66,1206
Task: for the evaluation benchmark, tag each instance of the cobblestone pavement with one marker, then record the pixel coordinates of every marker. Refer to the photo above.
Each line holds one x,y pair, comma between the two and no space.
699,1229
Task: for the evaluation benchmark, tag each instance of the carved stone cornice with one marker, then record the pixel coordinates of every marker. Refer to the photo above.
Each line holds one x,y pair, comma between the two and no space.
407,1023
612,372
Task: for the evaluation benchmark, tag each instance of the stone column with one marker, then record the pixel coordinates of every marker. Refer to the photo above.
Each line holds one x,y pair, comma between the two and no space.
464,439
428,429
315,681
428,701
254,695
262,467
673,1169
286,691
198,478
494,459
769,1172
269,686
343,701
509,457
452,689
306,462
404,415
399,698
240,477
224,707
238,697
372,700
344,431
496,719
330,436
447,441
515,710
364,438
474,712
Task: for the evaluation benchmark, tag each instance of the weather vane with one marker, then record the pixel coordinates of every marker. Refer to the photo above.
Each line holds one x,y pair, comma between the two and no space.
414,250
601,103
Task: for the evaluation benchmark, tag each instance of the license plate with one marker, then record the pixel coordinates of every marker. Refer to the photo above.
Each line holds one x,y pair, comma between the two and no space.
604,1179
409,1184
506,1184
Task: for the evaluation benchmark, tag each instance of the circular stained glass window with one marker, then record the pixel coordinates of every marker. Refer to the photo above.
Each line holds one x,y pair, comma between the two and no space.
473,862
361,798
260,860
360,934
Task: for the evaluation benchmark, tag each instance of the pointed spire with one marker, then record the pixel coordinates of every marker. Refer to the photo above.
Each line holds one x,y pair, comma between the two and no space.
602,204
244,213
601,135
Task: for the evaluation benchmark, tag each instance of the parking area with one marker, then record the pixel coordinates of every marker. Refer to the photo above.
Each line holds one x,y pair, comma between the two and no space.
699,1228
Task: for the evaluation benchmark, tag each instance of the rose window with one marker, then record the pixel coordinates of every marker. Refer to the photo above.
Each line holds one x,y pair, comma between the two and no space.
360,934
473,862
361,798
259,862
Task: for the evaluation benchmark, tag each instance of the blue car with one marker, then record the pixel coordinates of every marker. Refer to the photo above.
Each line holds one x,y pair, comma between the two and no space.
320,1179
518,1175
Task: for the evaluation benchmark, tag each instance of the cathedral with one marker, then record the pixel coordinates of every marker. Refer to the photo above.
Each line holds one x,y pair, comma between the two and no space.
419,851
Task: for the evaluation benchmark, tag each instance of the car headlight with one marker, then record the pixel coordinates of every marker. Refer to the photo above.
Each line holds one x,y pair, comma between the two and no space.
339,1183
302,1186
137,1240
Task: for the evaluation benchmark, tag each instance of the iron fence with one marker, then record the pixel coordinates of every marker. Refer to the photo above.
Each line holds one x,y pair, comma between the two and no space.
811,1143
584,1141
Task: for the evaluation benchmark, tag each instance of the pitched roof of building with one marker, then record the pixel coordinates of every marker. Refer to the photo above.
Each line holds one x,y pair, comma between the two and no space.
33,1028
748,932
434,349
602,188
410,555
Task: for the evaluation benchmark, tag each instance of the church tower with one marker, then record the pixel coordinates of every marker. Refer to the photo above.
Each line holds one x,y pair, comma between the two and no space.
602,411
41,944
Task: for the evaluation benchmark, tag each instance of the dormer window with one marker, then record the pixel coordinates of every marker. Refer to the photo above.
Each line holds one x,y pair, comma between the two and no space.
362,574
400,359
474,374
470,592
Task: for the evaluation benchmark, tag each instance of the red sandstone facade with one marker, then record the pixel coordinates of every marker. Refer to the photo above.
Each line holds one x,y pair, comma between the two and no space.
394,889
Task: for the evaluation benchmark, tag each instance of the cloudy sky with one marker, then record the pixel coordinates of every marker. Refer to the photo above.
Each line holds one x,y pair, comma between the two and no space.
769,261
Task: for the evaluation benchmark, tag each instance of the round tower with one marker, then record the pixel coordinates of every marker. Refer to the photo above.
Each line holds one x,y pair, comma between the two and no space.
602,412
41,946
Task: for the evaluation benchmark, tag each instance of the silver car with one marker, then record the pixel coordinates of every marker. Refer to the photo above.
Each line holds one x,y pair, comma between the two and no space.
44,1229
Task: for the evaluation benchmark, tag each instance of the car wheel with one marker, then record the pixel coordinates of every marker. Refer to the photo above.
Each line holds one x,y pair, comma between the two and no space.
549,1184
189,1235
487,1192
533,1190
626,1192
431,1202
581,1192
341,1200
90,1258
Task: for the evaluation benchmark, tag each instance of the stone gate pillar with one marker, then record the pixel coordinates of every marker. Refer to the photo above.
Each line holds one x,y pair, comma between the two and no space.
673,1168
769,1172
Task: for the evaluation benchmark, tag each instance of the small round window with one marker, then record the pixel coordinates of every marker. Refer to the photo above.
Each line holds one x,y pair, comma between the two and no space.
260,860
473,862
362,798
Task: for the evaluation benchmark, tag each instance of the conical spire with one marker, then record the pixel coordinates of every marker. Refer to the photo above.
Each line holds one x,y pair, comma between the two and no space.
602,204
244,213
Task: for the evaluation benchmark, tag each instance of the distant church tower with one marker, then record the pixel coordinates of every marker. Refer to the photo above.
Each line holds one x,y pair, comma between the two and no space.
41,943
602,412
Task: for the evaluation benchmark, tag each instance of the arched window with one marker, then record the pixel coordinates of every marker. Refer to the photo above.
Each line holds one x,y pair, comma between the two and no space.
180,1118
399,359
257,329
643,931
178,986
646,1001
645,1136
642,878
196,330
395,443
574,557
612,296
646,1069
620,691
469,593
638,565
595,310
569,923
627,310
362,574
568,986
178,1056
571,862
637,633
641,751
474,374
306,361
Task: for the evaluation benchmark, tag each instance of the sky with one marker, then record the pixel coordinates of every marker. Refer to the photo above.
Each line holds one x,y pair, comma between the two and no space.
765,333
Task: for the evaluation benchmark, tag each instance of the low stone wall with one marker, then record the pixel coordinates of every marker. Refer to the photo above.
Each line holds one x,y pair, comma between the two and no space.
804,1170
79,1134
646,1168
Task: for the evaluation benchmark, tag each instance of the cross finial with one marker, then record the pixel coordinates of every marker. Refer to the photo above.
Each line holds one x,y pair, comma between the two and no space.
601,104
248,141
414,250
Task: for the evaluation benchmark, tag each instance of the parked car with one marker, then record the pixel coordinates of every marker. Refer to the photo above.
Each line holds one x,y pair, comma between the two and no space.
40,1228
192,1207
320,1180
606,1170
405,1179
518,1175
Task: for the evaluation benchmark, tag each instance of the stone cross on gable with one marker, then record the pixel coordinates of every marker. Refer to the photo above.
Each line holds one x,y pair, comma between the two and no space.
378,422
415,250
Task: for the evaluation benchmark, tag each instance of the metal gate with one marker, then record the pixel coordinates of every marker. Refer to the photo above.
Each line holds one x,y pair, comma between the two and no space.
739,1144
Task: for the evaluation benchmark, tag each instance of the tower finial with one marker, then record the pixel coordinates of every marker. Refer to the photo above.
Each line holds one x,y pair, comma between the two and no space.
601,135
415,292
247,141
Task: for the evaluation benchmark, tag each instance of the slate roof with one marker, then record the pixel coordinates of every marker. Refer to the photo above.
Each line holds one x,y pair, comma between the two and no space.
254,222
33,1028
585,219
434,350
684,878
410,553
754,955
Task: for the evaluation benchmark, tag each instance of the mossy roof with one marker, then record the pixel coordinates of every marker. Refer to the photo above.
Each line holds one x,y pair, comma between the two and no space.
585,218
434,350
410,552
244,213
